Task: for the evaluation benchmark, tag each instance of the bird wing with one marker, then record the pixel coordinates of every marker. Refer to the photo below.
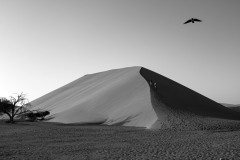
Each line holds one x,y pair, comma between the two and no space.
198,20
187,21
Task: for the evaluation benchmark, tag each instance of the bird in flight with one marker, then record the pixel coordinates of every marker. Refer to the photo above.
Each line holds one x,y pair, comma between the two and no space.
192,20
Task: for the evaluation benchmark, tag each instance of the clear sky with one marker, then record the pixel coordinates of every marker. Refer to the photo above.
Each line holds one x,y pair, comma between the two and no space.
45,44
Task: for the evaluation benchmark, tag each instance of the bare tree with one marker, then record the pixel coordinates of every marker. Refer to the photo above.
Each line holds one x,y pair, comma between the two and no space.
14,106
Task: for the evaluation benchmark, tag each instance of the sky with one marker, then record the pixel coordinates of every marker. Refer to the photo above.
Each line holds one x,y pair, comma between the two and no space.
45,44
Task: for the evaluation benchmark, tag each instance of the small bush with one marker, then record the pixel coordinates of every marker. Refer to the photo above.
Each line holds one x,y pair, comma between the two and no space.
39,115
31,116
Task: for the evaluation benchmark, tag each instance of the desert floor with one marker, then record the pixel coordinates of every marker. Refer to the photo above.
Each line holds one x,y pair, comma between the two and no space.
39,140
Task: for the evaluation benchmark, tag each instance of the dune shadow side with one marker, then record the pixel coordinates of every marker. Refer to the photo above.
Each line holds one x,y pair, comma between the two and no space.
178,107
169,118
179,97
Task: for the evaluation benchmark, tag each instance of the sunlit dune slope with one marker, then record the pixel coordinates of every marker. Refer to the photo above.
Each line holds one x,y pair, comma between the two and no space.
126,97
120,97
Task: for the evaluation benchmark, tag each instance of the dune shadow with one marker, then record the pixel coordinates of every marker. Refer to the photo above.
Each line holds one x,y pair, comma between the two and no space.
179,107
82,124
126,120
179,97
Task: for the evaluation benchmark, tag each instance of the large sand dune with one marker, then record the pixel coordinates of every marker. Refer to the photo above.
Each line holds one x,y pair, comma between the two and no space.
125,97
119,96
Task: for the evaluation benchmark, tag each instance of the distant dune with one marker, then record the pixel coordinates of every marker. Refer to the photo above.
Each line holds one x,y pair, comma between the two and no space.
134,96
235,107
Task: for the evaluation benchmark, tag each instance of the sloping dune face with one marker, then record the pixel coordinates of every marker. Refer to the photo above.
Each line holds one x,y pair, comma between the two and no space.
115,97
180,107
134,96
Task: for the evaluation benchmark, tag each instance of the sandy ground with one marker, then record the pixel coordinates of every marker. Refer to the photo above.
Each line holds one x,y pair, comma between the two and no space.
39,140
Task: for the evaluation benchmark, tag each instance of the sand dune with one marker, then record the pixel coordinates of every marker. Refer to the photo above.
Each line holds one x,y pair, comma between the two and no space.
119,96
235,107
125,97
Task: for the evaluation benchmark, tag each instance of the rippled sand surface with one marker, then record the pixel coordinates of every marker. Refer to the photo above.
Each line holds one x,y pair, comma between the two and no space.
38,140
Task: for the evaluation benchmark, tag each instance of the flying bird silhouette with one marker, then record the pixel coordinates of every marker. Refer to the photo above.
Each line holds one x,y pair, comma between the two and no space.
192,20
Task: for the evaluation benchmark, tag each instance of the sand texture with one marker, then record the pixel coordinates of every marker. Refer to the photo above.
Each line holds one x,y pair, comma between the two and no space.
37,141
